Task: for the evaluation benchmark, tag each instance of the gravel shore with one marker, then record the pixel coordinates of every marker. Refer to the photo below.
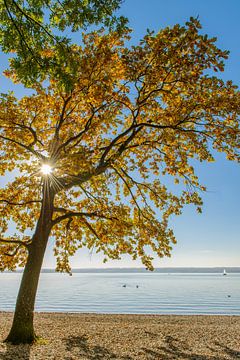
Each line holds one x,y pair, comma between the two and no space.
126,337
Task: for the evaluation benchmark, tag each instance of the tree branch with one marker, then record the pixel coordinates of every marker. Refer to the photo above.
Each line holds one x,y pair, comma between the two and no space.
14,253
20,204
86,128
128,187
62,118
72,214
140,212
26,147
33,132
22,39
13,241
82,178
32,20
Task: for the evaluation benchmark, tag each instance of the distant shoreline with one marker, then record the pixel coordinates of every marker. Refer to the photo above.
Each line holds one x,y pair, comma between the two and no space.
164,270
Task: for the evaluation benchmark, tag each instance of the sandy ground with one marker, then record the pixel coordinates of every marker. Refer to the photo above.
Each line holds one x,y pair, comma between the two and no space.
126,337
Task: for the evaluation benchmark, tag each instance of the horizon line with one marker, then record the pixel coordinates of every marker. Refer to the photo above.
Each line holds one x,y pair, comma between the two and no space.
143,268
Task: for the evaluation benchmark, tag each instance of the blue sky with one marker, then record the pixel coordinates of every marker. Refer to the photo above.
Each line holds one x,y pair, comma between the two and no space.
212,238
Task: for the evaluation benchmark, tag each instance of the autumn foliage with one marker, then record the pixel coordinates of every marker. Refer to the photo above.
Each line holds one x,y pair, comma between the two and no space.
28,27
134,116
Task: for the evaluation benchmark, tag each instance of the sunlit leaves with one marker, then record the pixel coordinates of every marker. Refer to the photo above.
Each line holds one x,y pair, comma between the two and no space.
14,253
135,118
29,28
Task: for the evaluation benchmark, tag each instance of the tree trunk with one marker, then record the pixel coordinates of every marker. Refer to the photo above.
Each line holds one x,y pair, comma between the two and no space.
22,330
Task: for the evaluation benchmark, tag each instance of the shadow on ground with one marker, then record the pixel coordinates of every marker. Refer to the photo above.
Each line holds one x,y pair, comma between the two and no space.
80,346
16,352
175,349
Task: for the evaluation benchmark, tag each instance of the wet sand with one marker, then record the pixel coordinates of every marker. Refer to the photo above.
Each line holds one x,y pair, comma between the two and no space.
98,336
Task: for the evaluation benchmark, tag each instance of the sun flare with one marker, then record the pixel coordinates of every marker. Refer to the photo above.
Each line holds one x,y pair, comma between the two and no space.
46,169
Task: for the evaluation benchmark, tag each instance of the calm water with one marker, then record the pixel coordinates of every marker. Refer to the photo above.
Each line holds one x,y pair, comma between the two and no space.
157,293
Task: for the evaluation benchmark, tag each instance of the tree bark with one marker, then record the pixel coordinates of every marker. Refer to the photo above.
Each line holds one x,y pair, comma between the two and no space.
22,330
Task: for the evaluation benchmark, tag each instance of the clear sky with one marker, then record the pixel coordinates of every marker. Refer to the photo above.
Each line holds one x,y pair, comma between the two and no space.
212,238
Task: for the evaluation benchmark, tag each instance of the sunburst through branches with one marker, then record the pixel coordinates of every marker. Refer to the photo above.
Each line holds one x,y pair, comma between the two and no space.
46,169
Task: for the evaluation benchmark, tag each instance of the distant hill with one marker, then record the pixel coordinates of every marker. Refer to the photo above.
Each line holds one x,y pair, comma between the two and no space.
165,270
157,270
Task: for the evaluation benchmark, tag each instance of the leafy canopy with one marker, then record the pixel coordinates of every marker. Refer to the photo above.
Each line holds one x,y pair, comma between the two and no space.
134,115
28,27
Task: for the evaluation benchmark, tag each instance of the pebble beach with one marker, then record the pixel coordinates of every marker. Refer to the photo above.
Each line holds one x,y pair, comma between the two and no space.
71,336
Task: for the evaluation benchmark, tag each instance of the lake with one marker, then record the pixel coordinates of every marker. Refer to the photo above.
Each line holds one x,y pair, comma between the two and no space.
133,292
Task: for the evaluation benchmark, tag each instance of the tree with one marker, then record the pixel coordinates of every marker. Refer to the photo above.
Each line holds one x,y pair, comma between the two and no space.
91,162
28,28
